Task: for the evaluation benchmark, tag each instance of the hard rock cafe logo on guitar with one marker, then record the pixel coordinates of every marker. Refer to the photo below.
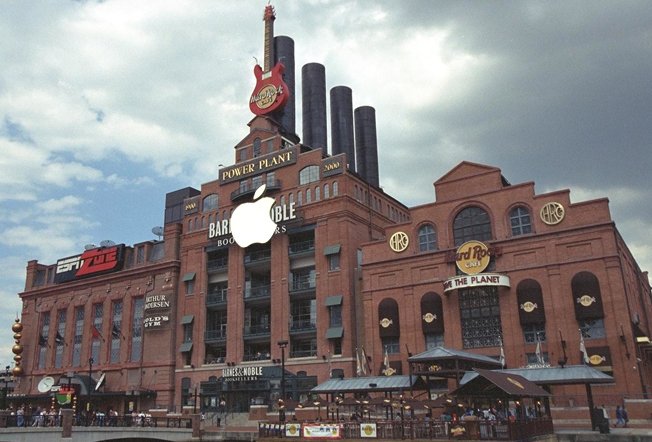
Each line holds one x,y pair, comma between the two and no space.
270,92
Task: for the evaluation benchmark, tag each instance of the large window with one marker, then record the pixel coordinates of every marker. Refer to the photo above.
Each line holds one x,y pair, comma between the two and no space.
210,202
79,336
471,223
480,317
519,219
96,344
115,331
137,330
427,238
43,340
60,339
308,174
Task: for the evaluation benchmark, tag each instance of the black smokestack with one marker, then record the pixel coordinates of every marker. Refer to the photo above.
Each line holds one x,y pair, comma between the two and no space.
342,140
366,146
284,53
313,89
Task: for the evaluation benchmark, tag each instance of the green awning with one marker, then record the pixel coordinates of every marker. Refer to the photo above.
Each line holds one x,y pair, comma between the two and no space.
188,276
334,332
332,250
333,300
187,319
185,347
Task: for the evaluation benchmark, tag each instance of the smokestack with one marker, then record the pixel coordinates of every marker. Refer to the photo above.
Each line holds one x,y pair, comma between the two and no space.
366,146
342,140
284,52
313,90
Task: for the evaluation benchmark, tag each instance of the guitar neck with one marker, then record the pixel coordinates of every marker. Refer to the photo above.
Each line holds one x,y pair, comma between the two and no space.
269,41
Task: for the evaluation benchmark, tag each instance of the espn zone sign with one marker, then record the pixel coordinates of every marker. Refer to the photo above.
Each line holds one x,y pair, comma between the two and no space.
90,263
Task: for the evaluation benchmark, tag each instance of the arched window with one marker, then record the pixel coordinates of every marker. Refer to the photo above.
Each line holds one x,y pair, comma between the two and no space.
317,189
389,326
471,223
308,174
587,300
432,320
427,238
257,146
335,188
326,191
520,221
210,202
530,311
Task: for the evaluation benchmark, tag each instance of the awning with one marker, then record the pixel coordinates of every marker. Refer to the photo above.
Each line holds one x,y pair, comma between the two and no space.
567,375
188,276
185,347
432,314
496,384
334,332
332,250
439,353
530,302
187,319
368,384
333,300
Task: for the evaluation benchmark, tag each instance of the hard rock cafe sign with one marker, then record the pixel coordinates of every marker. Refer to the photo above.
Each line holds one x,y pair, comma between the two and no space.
473,257
270,92
529,306
586,300
386,322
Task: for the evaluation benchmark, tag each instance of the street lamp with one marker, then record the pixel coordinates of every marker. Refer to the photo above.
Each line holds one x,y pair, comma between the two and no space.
90,390
282,344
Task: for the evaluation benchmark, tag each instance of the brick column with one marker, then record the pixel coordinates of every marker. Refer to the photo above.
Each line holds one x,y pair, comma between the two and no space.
66,426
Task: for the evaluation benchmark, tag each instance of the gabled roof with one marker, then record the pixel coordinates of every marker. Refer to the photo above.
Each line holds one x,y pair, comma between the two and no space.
466,169
439,353
367,384
488,383
567,375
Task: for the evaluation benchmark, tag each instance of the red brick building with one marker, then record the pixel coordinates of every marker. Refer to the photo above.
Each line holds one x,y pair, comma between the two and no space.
490,262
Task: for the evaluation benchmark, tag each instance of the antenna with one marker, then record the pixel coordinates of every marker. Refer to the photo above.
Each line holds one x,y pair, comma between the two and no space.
90,247
107,243
158,231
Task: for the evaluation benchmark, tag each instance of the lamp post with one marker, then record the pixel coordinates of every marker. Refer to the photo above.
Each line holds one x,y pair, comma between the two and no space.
282,344
5,389
90,390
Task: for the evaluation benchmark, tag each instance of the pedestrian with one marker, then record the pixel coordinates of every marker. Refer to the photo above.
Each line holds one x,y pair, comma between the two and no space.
605,415
620,420
625,416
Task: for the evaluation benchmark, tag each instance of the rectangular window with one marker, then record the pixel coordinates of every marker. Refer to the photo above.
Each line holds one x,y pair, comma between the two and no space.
190,287
337,346
79,336
271,179
116,333
391,344
137,330
434,340
335,316
592,328
140,254
480,317
59,339
333,262
256,182
43,340
96,344
533,331
187,332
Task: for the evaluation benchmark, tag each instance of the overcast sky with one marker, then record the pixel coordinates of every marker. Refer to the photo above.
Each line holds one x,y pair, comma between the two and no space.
106,106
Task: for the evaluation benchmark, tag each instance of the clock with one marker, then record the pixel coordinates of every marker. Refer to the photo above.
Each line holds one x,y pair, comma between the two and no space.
45,384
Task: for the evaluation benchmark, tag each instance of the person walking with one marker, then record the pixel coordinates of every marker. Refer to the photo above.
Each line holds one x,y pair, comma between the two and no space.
620,420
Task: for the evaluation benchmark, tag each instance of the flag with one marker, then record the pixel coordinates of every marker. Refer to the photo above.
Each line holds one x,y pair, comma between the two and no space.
387,371
538,351
502,355
96,333
42,341
115,332
585,355
365,362
58,338
358,368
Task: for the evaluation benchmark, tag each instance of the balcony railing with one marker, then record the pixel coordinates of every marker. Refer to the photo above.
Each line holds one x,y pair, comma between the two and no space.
258,255
300,325
303,282
303,353
302,247
256,330
216,334
216,297
261,291
217,263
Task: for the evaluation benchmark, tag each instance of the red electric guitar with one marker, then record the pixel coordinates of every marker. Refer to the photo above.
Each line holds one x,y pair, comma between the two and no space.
271,92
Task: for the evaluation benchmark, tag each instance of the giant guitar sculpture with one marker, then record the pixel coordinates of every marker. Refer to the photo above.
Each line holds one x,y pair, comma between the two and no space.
270,92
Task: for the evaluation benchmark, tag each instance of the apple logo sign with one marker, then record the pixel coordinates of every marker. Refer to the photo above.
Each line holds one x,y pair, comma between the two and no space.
251,222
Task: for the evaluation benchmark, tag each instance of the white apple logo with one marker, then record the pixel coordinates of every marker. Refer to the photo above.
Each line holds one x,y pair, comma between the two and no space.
251,222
